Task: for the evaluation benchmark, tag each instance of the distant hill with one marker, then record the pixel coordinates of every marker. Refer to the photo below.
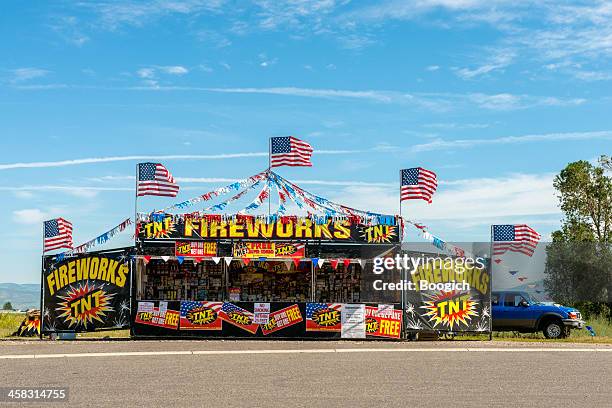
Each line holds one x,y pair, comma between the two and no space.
22,296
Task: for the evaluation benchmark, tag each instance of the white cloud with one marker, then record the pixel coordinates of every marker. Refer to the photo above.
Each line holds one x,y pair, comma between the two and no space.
515,196
30,216
113,15
173,69
432,68
24,194
25,74
378,96
441,144
149,74
92,160
498,61
146,73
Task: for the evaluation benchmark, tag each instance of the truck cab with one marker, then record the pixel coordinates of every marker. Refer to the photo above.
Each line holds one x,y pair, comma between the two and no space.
517,311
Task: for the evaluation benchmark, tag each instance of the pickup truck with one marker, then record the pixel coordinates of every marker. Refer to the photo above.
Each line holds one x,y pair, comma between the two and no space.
517,311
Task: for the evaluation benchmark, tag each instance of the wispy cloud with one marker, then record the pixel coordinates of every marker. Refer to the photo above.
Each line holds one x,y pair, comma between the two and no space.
441,144
30,216
26,74
378,96
498,61
113,15
92,160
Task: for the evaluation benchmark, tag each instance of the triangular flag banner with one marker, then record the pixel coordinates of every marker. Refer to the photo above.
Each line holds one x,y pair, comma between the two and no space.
146,259
363,263
216,259
228,260
197,260
498,261
334,263
296,262
315,261
165,258
288,265
320,262
346,262
246,261
180,259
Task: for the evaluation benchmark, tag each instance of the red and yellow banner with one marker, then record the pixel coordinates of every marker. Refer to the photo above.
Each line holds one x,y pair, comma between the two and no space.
195,249
389,325
155,316
282,318
196,315
255,250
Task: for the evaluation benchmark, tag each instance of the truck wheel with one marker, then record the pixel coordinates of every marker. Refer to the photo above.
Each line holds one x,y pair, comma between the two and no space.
554,330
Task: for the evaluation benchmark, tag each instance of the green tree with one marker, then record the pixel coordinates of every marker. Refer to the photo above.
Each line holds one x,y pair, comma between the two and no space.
579,260
7,306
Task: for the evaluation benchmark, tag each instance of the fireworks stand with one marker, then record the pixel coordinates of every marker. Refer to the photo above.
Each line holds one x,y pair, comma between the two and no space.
246,276
239,275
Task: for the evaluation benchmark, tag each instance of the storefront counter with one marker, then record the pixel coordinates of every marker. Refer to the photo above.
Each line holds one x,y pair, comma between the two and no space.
187,318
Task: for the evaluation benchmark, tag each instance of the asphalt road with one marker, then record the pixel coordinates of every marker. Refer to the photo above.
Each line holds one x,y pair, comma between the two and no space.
313,374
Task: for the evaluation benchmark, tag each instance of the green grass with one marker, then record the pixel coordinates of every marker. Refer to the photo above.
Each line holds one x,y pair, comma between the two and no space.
602,327
9,323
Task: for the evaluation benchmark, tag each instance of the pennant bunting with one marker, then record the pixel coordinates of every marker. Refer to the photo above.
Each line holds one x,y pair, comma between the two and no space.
242,184
216,259
228,260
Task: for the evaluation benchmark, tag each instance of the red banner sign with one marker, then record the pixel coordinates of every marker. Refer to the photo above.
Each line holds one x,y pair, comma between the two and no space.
387,325
195,249
282,318
200,315
156,316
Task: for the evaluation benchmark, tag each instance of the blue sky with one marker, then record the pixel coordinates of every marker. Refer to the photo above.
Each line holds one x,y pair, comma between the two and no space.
495,97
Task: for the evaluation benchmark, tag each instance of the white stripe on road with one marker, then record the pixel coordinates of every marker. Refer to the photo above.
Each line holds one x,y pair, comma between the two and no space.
303,351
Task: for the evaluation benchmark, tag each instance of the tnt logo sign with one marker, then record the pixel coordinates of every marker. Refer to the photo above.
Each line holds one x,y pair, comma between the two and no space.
83,304
379,233
450,309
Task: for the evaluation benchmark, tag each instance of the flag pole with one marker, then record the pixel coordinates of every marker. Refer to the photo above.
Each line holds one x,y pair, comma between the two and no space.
136,207
269,170
491,283
42,283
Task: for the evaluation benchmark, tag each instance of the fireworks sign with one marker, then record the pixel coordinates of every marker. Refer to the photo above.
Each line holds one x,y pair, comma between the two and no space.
86,293
437,304
292,229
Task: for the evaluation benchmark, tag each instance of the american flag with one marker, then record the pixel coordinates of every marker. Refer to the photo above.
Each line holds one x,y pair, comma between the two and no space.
58,234
289,151
514,238
418,183
154,179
